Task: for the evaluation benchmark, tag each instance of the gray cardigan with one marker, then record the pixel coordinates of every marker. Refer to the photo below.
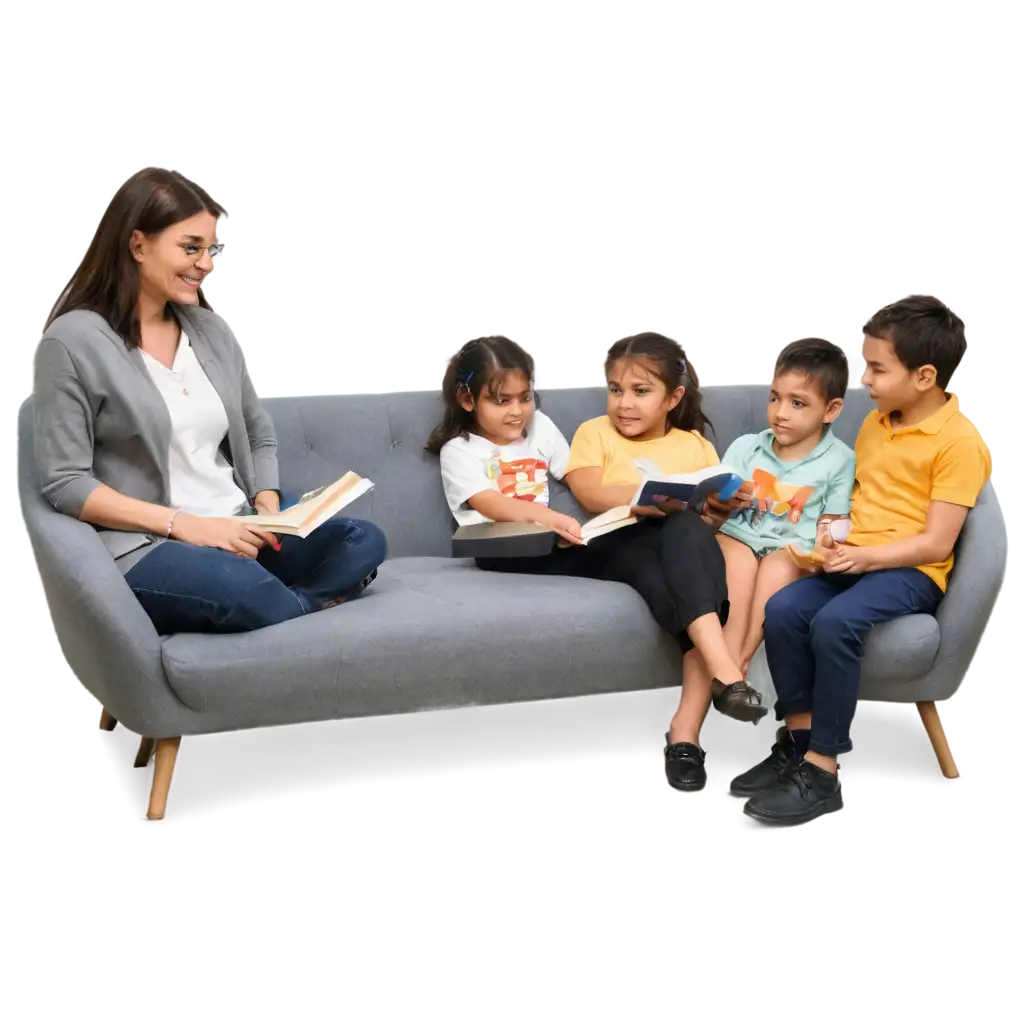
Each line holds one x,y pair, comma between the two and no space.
99,418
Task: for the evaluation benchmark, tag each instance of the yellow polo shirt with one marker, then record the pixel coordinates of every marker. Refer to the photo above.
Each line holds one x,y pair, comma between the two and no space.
901,470
598,443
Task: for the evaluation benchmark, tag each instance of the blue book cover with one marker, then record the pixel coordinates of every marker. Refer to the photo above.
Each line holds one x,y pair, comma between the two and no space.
690,488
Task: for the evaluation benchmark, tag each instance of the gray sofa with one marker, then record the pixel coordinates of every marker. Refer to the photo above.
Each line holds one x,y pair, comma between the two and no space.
433,631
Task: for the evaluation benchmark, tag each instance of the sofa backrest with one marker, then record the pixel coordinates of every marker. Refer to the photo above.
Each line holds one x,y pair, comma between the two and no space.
382,437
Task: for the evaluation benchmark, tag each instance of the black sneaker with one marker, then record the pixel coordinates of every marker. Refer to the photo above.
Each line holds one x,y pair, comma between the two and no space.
684,765
805,792
770,771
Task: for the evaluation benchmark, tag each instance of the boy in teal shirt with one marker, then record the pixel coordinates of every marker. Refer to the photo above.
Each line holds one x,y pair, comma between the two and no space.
802,476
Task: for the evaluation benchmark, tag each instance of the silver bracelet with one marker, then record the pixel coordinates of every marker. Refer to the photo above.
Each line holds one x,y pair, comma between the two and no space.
170,524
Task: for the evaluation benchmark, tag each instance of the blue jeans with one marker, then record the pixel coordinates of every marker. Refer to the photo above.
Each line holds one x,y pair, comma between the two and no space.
189,589
814,631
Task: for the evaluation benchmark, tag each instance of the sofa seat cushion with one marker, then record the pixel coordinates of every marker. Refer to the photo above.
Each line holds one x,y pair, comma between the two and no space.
897,655
429,633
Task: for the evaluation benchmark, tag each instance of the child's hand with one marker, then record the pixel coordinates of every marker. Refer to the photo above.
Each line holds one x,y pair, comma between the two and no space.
647,511
715,512
667,504
823,548
568,529
844,558
724,509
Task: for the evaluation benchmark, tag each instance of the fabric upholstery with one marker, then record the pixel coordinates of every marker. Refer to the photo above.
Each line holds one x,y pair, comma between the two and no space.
429,633
433,631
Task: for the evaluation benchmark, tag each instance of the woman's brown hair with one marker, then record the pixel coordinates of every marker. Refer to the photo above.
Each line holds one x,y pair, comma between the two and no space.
107,279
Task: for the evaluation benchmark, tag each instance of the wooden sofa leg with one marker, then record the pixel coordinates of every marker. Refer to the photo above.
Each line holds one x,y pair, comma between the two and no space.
930,717
142,758
166,752
107,721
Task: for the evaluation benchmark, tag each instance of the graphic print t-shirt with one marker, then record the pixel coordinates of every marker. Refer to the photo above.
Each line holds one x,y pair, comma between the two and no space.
519,470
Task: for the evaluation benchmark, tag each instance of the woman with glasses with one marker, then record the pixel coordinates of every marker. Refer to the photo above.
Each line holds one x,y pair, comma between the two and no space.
148,427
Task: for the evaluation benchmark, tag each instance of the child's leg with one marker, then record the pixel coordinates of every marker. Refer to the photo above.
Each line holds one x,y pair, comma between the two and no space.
774,572
693,568
787,641
740,574
787,629
677,568
836,637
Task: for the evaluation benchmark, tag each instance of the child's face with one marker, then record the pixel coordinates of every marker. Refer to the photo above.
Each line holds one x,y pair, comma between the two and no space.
890,384
797,409
638,401
503,417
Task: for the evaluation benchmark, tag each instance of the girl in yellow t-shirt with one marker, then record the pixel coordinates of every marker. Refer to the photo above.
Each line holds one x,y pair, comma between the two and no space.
672,558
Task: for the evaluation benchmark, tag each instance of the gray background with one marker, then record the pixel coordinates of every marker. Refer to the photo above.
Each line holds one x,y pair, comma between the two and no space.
100,922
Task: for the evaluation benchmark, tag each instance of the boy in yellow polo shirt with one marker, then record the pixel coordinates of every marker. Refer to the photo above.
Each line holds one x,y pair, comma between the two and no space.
921,465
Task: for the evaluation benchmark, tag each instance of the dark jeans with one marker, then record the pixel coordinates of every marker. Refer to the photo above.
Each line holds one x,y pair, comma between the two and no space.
675,564
189,589
814,631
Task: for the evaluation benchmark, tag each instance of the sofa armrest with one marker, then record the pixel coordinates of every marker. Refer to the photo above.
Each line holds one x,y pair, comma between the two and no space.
106,636
974,585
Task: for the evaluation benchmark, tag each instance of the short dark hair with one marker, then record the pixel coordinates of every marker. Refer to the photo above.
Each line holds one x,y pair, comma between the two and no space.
923,332
820,360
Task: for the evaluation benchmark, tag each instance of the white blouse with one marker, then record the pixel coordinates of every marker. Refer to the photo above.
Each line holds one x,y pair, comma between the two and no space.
202,481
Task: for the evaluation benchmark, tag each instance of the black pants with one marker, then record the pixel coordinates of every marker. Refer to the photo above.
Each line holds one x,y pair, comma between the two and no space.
674,564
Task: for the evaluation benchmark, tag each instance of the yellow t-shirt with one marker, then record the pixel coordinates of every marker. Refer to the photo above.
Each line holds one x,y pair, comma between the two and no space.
598,443
901,470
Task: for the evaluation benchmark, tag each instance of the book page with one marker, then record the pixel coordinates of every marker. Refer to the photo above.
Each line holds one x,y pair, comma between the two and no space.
613,515
316,506
613,519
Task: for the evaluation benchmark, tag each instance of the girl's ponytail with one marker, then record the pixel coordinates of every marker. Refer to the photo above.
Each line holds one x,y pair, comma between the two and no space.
688,414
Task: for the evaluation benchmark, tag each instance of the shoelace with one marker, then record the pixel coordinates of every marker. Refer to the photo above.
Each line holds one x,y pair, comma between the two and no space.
780,754
801,777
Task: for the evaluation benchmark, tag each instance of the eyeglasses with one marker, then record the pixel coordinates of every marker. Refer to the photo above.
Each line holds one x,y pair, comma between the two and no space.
194,250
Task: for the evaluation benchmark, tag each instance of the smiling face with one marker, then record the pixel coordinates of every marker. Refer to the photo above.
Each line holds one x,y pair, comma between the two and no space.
638,400
797,409
502,416
173,263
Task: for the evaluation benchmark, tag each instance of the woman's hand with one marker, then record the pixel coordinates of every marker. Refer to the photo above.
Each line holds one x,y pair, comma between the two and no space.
267,503
227,534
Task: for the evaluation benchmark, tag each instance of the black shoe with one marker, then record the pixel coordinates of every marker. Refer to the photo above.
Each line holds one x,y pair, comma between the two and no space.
354,592
804,793
684,765
737,700
771,770
361,586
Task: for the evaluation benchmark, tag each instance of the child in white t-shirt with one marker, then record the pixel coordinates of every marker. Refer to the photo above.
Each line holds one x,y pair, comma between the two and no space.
497,451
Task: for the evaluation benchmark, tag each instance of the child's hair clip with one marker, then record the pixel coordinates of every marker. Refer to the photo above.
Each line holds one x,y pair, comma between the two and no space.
464,378
681,367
